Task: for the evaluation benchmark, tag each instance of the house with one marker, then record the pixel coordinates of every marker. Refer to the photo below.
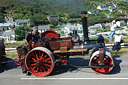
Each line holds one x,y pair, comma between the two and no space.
104,34
8,37
69,29
6,26
53,17
126,1
21,22
120,11
8,19
112,5
94,28
93,11
80,30
42,28
121,23
102,7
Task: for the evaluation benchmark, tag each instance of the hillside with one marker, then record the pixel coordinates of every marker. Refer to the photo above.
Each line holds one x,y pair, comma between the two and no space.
67,10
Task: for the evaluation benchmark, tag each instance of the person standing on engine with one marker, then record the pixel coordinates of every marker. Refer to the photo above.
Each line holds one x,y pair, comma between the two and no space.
36,34
113,29
117,41
28,39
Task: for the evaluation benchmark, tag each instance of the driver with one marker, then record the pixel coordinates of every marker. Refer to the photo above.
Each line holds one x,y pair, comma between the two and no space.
36,34
28,40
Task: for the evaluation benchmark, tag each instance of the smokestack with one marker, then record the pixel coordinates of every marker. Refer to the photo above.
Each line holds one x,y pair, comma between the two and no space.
85,25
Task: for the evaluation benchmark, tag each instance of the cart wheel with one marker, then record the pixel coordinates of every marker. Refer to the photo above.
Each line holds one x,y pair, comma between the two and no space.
107,61
18,61
40,61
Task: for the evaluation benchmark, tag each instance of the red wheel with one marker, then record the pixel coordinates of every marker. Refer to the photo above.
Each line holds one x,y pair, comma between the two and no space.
40,61
107,60
18,61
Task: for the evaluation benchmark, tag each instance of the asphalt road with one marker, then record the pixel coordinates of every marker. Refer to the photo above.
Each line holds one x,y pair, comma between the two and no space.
68,75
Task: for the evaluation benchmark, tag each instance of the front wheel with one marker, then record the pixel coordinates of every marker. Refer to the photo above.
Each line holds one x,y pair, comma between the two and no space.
107,61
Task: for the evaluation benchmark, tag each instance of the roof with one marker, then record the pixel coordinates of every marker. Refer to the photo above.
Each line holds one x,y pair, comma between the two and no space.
42,28
103,6
94,26
53,17
5,24
7,33
113,5
22,21
3,27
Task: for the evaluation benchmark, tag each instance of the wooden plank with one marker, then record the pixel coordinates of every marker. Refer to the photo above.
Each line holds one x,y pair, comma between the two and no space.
71,51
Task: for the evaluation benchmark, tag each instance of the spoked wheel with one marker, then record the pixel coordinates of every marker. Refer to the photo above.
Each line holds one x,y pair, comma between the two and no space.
40,61
18,61
107,61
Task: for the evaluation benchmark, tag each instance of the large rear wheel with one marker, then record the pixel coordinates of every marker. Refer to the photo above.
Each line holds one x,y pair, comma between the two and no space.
40,61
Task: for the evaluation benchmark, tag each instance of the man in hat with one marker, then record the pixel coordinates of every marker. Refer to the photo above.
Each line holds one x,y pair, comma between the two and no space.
113,29
28,39
117,41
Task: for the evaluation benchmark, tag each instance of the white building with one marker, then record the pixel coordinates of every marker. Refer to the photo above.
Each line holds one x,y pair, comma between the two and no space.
121,23
102,7
8,19
92,29
104,34
126,1
8,37
93,11
6,26
113,5
53,17
21,22
42,28
69,29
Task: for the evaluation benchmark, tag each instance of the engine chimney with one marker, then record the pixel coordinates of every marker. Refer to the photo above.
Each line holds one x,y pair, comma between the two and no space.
85,25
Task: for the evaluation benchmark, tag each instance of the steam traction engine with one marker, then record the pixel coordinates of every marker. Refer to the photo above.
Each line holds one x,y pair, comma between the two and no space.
3,59
51,49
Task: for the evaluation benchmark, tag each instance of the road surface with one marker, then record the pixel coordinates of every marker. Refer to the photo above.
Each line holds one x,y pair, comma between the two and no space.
68,75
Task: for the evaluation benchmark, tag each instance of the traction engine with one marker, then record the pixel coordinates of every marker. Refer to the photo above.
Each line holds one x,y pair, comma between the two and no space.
53,49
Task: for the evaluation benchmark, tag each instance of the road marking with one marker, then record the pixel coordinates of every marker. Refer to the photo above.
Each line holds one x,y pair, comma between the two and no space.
74,78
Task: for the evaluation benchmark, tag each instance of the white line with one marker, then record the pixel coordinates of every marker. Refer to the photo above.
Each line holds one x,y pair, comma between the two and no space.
74,78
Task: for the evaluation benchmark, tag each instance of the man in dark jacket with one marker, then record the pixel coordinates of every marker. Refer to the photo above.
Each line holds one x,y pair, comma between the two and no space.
28,39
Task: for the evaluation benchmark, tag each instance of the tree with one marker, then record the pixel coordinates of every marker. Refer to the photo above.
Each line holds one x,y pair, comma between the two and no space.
20,33
32,21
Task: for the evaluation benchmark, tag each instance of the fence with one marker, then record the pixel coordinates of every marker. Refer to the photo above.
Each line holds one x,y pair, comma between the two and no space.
123,45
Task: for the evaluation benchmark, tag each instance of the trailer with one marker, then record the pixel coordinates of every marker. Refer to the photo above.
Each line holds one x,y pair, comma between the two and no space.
3,59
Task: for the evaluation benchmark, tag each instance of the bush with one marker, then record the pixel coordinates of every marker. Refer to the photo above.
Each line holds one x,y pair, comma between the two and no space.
51,26
119,28
106,29
21,32
19,38
93,38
